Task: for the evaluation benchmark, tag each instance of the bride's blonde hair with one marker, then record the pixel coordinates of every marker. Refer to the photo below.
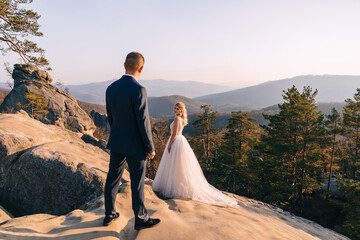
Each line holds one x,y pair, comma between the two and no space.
183,112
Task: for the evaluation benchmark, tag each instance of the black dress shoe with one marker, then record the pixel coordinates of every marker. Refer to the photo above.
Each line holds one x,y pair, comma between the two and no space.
148,224
109,219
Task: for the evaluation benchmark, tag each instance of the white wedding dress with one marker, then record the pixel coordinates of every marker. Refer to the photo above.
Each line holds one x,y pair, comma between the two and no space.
180,176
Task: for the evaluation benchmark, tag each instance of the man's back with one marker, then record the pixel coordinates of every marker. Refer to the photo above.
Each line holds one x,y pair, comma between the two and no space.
128,117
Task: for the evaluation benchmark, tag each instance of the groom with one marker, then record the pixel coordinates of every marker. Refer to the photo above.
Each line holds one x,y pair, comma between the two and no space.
130,140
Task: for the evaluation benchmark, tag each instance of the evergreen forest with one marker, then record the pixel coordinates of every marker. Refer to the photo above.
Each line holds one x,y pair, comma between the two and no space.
302,161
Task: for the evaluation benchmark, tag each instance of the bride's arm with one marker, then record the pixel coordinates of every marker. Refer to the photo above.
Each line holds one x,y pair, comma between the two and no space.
175,130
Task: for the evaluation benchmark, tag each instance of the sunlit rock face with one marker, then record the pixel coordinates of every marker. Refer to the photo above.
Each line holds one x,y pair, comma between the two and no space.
63,108
46,168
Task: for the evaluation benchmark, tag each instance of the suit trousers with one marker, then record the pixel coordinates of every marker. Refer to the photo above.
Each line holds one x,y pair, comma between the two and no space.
137,168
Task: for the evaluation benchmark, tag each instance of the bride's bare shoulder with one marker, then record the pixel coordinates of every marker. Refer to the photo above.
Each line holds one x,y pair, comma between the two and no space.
177,120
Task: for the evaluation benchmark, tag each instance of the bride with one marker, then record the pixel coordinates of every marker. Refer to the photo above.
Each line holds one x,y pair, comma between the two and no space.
179,174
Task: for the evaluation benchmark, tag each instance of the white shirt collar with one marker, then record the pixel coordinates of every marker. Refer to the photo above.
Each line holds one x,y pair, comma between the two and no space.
131,76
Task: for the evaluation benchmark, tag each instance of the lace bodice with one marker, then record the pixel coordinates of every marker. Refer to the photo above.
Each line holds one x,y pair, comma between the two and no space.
181,127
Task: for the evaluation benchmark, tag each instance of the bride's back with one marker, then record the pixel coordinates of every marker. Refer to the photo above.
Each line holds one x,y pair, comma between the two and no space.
181,126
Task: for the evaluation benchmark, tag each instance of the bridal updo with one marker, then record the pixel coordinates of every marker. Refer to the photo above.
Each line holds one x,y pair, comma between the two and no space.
183,111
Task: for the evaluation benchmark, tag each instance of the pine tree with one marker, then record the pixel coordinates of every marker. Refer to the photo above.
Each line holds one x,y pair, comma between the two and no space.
349,183
205,141
351,122
351,189
231,168
15,24
293,145
333,126
37,104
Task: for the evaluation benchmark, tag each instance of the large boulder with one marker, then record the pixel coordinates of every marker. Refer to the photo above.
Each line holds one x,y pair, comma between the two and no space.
46,168
19,132
26,72
101,143
55,178
100,120
63,108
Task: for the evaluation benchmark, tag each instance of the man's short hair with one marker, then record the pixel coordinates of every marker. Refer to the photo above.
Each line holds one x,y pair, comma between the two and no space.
134,61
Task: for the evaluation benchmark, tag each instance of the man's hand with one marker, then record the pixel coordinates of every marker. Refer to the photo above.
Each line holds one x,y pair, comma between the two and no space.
150,155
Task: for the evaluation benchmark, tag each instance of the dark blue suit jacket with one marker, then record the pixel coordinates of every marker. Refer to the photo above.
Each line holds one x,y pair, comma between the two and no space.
128,115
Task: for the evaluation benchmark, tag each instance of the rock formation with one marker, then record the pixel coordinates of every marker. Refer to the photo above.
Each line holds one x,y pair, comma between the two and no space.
27,72
100,120
101,143
45,168
180,220
63,108
50,170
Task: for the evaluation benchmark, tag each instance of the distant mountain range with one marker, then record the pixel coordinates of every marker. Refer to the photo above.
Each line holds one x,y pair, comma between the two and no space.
222,119
95,92
160,107
332,88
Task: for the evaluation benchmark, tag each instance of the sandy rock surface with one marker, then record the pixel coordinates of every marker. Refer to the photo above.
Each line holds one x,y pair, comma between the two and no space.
19,132
180,219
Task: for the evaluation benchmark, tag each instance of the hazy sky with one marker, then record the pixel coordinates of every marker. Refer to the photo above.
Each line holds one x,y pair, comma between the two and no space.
229,42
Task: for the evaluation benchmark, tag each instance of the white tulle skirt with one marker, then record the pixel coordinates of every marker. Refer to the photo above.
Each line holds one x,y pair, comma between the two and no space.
180,176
